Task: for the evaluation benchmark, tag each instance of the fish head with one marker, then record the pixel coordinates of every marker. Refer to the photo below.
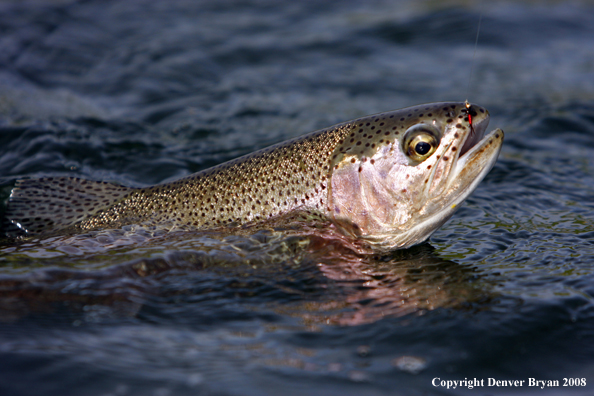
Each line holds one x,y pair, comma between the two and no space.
398,176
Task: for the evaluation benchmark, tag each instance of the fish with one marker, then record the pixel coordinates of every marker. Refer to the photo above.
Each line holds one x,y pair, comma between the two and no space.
388,180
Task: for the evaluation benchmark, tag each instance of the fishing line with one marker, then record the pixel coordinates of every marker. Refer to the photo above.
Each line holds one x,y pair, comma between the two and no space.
478,30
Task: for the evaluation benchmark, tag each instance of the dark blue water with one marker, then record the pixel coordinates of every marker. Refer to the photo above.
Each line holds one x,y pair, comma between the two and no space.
140,92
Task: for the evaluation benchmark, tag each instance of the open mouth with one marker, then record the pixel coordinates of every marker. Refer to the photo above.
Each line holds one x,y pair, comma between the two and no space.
476,161
477,156
476,134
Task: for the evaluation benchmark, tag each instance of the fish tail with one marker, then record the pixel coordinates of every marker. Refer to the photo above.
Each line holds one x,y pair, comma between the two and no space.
48,204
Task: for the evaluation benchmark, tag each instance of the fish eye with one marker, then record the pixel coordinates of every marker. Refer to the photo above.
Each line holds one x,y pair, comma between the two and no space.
420,141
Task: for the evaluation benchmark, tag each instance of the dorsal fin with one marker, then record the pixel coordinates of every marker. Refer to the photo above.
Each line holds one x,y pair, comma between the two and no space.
53,203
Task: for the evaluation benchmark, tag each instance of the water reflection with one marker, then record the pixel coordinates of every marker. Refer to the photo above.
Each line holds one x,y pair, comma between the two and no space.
319,277
370,288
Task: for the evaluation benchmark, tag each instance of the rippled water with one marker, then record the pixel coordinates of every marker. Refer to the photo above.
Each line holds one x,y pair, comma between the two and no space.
140,92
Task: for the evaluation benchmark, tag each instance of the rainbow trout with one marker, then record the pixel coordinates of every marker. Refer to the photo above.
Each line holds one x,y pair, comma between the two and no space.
389,180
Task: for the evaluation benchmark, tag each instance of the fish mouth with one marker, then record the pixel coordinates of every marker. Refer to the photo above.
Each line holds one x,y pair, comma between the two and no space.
476,134
477,160
470,169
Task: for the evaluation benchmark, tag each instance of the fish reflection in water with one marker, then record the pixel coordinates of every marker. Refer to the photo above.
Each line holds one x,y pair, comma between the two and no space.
314,275
370,288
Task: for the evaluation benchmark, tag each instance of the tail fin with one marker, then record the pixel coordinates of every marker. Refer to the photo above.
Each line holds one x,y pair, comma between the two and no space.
39,206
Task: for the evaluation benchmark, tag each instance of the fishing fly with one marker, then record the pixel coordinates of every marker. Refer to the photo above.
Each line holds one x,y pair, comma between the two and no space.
469,114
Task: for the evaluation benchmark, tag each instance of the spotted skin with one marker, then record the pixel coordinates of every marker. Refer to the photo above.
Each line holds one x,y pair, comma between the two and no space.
255,187
293,176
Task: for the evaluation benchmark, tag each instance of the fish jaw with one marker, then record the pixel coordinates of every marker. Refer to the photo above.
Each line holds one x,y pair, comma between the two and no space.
390,203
